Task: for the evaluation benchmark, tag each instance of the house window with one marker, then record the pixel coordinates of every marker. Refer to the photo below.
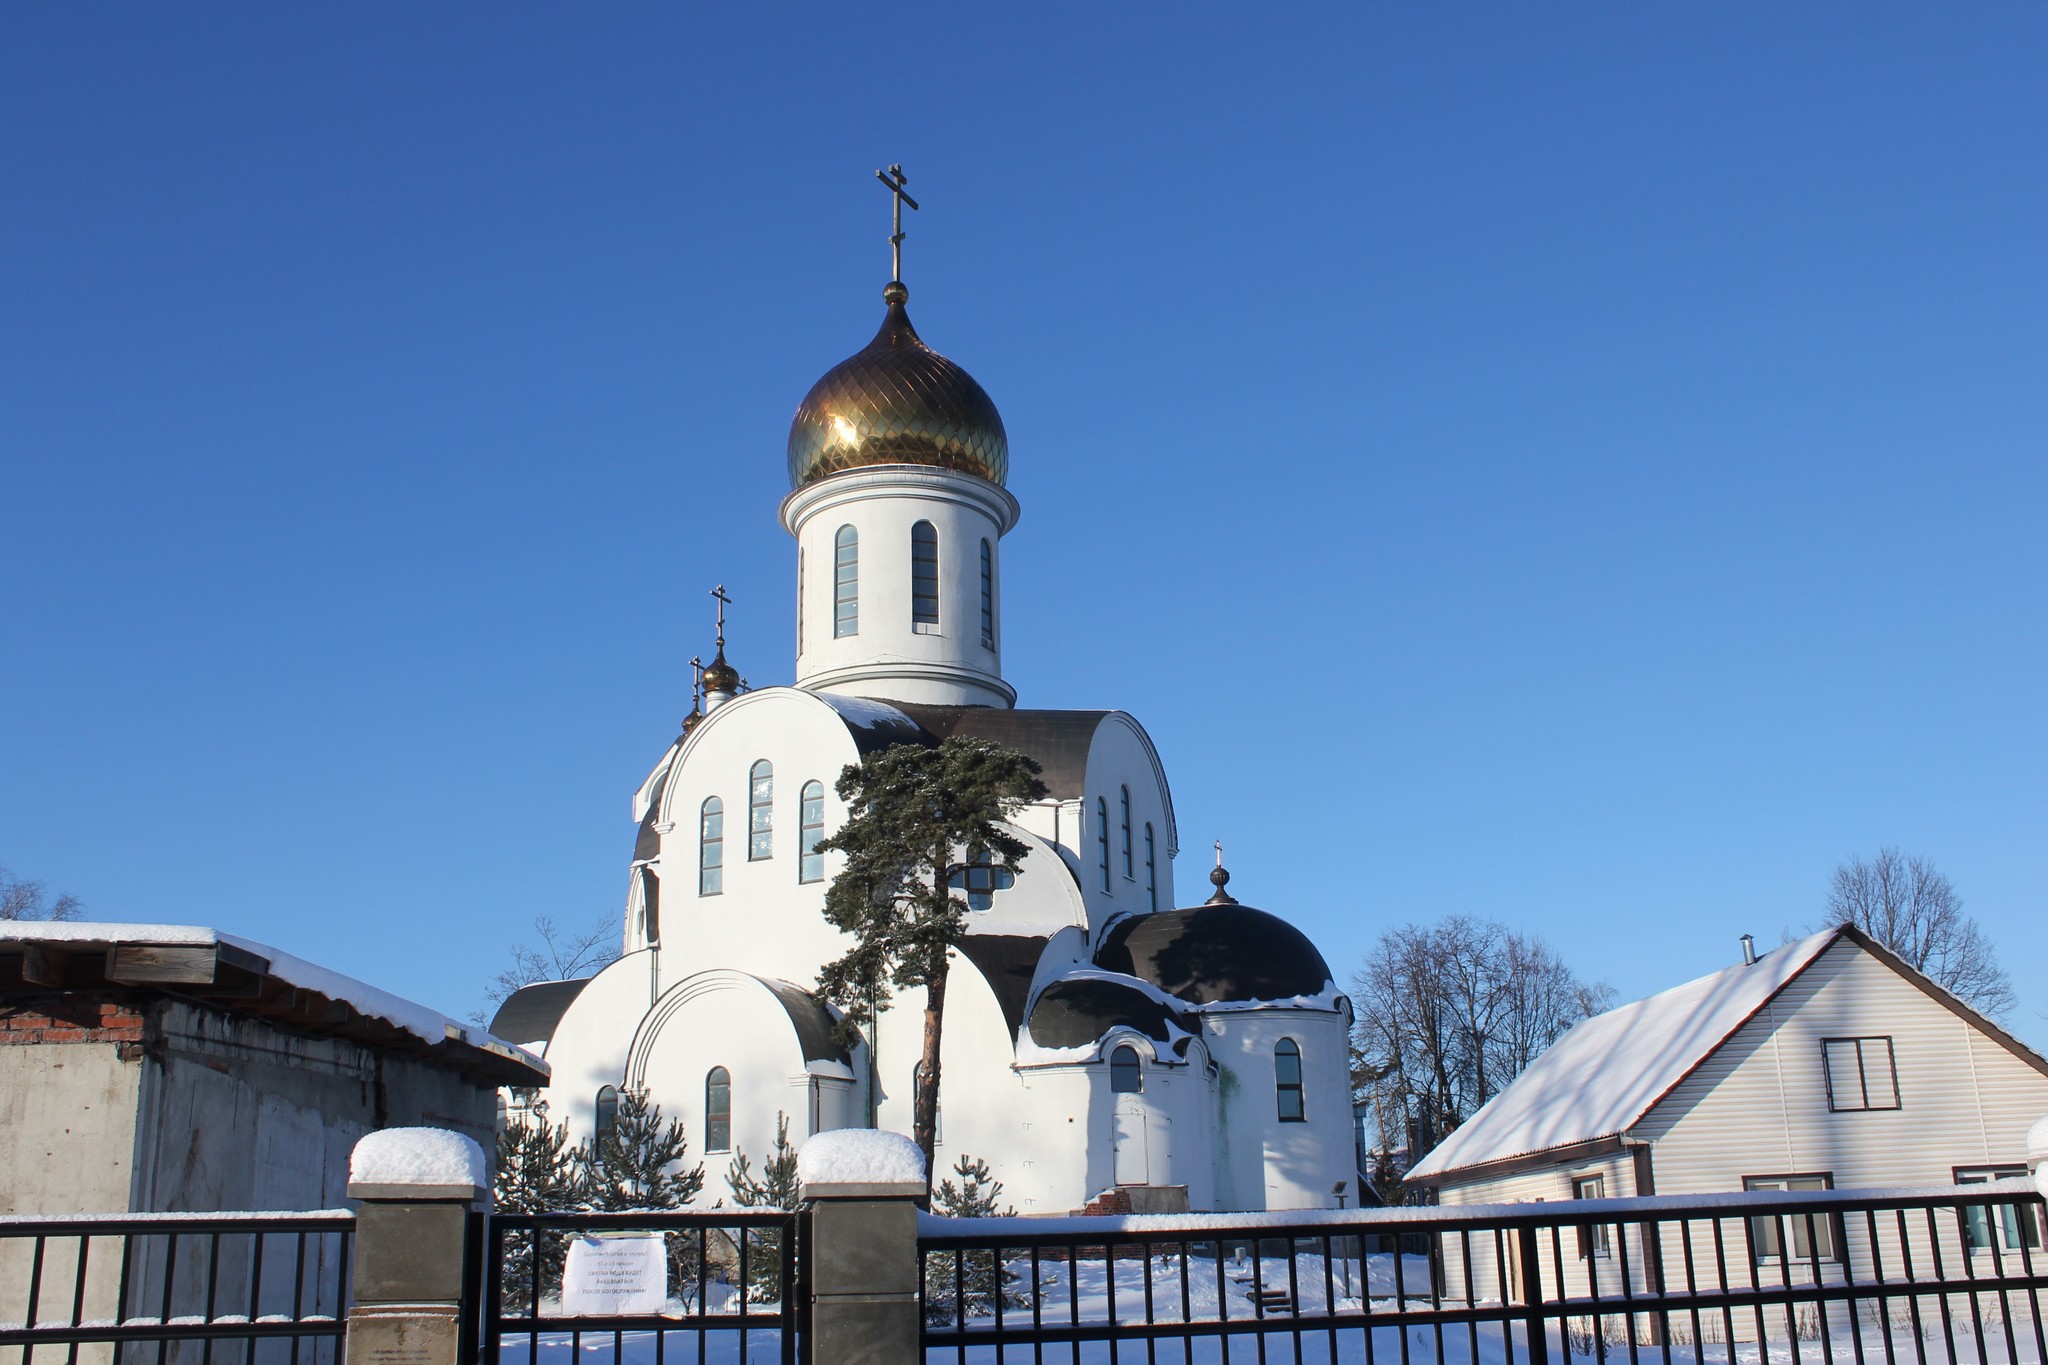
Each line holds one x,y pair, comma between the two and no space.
650,905
1812,1235
988,596
1861,1073
1998,1227
924,578
1287,1081
711,848
1102,835
718,1110
606,1124
846,582
1126,1072
810,864
981,879
1592,1236
1127,832
760,811
1151,866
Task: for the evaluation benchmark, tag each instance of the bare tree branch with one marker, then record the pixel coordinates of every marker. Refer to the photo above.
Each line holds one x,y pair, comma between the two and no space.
562,955
21,899
1911,908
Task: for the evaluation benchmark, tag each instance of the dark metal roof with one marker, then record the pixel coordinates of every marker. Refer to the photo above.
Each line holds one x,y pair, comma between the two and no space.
1057,740
648,842
529,1014
812,1021
1007,962
1076,1011
1214,953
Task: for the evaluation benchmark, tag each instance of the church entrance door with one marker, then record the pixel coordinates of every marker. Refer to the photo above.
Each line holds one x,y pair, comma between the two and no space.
1131,1144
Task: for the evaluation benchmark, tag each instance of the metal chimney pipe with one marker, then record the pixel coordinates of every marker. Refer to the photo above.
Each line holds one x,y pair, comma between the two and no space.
1749,950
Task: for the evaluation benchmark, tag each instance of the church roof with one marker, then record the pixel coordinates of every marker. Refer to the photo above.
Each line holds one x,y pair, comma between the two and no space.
1213,954
812,1021
1075,1011
530,1014
1057,740
1008,962
897,401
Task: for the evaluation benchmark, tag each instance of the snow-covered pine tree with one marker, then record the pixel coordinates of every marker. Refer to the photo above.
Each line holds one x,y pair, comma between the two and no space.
964,1284
776,1188
536,1174
638,1166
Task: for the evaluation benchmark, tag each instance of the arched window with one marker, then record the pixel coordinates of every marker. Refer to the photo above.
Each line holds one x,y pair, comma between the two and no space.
924,577
711,848
1151,866
650,905
607,1123
1102,836
988,595
846,582
718,1110
760,811
810,864
1126,1072
981,879
1287,1081
1127,833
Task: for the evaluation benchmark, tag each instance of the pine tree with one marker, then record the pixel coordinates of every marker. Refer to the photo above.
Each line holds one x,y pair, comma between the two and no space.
536,1173
638,1166
775,1189
918,819
964,1284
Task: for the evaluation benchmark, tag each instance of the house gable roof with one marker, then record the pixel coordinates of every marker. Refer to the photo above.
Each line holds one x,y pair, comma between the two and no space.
1605,1076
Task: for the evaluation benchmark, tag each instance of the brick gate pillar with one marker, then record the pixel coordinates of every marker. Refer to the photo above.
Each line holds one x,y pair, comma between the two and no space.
863,1189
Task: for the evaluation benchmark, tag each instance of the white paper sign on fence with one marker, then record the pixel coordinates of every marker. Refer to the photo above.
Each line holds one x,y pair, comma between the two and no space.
615,1276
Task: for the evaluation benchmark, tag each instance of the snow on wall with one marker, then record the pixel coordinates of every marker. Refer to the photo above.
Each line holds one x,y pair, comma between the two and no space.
860,1156
417,1156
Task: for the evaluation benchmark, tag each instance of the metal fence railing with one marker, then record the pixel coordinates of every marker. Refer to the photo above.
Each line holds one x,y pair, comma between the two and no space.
733,1286
1763,1278
175,1288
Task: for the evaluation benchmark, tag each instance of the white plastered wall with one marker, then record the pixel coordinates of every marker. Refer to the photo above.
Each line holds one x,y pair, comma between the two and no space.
1121,756
1264,1163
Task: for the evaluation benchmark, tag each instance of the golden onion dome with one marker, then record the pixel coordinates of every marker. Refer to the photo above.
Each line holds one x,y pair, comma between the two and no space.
897,401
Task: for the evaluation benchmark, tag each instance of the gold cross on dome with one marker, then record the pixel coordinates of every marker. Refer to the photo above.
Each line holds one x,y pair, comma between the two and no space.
895,179
723,602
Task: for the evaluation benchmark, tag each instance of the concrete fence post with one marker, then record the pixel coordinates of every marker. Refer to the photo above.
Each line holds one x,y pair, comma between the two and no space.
862,1188
418,1240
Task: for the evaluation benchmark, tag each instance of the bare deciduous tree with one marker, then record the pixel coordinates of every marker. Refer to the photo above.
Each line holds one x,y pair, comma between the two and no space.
561,956
1912,909
1447,1015
21,899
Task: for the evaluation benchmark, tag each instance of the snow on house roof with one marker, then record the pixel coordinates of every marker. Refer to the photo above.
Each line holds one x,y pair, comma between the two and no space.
135,954
1606,1074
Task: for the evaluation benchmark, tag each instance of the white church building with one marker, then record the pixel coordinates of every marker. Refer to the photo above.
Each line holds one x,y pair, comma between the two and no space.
1100,1032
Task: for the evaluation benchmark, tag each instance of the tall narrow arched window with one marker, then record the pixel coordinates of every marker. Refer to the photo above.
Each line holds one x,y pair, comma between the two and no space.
988,595
924,578
1151,866
1102,836
718,1110
846,582
1127,833
650,905
810,864
711,848
606,1122
1287,1081
1126,1072
760,811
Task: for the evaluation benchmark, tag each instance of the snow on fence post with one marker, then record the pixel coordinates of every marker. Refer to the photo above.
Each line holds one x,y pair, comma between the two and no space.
862,1187
419,1236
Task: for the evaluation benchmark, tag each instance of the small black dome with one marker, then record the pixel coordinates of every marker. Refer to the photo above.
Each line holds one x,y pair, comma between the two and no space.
1214,953
1077,1011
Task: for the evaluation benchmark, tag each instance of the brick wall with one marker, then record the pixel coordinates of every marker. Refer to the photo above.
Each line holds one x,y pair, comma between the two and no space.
60,1019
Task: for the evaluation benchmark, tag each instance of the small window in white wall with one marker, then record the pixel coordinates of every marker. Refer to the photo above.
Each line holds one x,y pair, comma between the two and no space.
988,595
1861,1073
711,848
846,582
1151,866
1102,835
761,811
1126,1071
1998,1227
718,1110
650,905
1127,833
981,879
810,865
1812,1235
606,1123
924,578
1592,1236
1287,1091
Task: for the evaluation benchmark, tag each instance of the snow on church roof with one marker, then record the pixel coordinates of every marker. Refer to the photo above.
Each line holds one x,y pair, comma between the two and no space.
1607,1073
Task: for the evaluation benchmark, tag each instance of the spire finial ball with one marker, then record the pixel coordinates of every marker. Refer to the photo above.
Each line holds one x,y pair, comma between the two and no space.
895,292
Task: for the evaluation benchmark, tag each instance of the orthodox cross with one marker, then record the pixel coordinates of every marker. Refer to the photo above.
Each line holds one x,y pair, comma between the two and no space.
895,179
723,602
1219,853
696,685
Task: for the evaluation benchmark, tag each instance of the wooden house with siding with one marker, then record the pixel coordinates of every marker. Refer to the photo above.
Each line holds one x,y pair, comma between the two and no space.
1827,1063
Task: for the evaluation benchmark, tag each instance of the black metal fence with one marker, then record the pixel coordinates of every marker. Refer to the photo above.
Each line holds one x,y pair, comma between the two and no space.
175,1289
1765,1278
733,1289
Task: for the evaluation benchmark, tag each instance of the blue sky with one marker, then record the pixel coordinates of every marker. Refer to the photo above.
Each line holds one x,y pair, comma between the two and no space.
1579,464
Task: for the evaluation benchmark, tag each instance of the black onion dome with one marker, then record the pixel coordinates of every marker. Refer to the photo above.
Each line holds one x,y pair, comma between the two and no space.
1213,953
1076,1011
897,401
